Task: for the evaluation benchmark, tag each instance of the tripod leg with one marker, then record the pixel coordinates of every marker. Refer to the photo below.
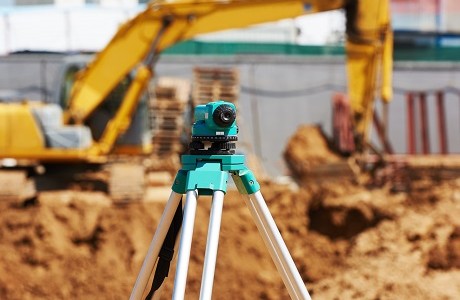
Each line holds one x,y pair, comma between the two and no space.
166,254
185,245
276,246
157,294
155,245
211,246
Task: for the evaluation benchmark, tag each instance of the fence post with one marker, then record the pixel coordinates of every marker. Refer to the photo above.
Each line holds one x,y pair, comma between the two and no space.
410,123
424,124
441,122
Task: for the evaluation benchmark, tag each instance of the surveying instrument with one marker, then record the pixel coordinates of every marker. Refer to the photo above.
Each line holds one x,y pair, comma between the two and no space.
205,171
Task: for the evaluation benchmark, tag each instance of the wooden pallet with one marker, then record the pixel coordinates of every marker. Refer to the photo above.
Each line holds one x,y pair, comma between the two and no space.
169,126
167,133
167,119
225,82
167,150
180,85
215,94
222,86
167,115
168,105
210,84
217,73
167,92
205,100
161,148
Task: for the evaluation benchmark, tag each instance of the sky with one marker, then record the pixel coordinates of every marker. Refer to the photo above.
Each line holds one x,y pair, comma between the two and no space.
90,28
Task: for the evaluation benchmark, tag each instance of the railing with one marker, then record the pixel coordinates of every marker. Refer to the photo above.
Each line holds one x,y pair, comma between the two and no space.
417,120
421,128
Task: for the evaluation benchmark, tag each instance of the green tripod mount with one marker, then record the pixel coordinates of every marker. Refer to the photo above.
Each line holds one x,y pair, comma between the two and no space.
209,173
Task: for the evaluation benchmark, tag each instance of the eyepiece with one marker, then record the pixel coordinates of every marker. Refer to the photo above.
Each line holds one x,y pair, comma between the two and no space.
224,115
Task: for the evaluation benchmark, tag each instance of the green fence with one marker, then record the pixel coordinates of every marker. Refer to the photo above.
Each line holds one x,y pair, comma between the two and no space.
213,48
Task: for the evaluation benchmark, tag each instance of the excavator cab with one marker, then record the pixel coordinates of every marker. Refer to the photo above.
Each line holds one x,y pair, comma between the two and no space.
137,137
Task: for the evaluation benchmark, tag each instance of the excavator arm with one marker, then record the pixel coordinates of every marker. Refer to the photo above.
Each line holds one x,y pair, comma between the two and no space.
369,49
164,23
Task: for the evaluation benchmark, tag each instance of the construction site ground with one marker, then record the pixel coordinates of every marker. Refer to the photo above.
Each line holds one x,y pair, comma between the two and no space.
349,240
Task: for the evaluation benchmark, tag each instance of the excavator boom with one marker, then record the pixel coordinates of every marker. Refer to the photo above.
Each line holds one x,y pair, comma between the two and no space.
183,19
165,23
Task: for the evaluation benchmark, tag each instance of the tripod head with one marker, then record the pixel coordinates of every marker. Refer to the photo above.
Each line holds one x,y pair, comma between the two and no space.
215,124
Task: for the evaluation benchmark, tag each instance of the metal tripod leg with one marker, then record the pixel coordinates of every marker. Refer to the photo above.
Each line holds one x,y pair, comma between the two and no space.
276,246
155,246
212,167
212,243
185,245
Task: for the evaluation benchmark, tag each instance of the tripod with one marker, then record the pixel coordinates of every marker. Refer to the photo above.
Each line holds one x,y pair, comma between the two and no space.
208,175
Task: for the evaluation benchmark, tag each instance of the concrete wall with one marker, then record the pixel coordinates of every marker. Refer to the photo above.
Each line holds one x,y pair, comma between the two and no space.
33,2
290,91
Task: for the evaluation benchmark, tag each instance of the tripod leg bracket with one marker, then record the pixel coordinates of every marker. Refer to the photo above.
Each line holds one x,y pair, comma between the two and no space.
180,182
208,173
246,182
207,177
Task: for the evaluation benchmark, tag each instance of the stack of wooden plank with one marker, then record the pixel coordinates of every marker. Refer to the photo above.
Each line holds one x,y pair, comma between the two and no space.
167,109
211,84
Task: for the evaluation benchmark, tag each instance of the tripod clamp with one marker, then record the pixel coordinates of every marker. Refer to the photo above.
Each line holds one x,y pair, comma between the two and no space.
209,173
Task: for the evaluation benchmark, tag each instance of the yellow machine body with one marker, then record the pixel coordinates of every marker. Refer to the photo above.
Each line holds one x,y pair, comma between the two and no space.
18,130
22,137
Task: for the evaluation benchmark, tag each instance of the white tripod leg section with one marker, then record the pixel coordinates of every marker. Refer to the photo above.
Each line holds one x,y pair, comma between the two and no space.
212,244
155,246
276,246
185,245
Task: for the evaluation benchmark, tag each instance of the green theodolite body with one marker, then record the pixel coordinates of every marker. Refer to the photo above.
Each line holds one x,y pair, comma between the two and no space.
208,171
207,120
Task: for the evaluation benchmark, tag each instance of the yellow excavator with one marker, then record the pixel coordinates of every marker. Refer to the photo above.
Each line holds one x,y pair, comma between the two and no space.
46,133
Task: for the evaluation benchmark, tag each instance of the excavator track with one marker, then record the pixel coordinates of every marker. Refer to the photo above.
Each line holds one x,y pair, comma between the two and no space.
15,187
126,182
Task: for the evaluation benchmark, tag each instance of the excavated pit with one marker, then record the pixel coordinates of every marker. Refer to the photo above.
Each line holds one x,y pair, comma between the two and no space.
340,223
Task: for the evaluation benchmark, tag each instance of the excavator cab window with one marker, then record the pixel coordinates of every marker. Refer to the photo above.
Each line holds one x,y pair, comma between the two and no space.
111,103
67,82
105,112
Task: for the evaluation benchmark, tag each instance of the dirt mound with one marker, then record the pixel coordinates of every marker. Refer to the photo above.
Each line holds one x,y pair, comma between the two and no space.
411,253
77,245
388,245
306,149
71,245
348,242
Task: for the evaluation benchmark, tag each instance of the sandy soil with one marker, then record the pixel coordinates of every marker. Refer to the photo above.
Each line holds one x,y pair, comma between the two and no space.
348,241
